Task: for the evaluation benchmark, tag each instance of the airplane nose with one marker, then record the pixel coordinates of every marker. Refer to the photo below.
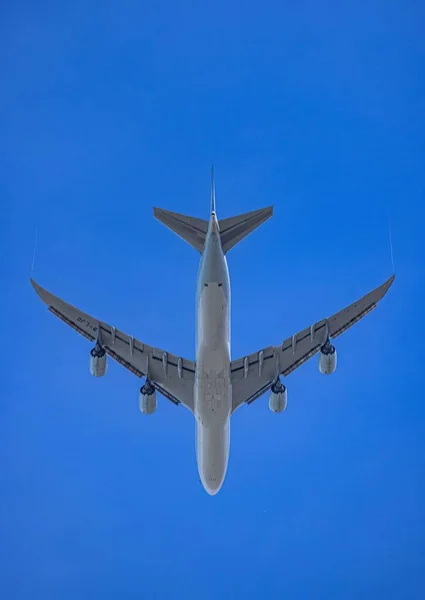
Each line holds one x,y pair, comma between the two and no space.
212,457
212,477
212,488
212,480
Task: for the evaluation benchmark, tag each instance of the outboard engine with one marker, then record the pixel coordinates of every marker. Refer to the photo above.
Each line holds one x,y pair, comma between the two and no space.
327,358
98,364
147,398
278,397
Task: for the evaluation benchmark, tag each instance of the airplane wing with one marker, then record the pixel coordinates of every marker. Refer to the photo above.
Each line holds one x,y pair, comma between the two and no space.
253,375
172,376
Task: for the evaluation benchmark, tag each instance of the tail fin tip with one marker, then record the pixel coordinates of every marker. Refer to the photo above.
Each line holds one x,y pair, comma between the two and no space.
212,205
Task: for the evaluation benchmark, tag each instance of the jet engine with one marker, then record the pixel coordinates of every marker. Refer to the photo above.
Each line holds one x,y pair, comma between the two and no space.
98,363
278,397
327,359
147,398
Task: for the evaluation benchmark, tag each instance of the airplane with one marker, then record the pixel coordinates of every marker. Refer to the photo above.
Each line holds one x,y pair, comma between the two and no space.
213,386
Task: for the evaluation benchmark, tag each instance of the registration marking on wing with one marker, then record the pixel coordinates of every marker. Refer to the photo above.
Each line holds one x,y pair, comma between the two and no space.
79,327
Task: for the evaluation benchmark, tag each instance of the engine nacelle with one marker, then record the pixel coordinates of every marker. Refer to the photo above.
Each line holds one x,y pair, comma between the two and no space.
147,398
278,397
98,364
327,359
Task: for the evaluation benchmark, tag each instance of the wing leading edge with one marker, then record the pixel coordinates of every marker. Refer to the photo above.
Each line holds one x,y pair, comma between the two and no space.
253,375
171,375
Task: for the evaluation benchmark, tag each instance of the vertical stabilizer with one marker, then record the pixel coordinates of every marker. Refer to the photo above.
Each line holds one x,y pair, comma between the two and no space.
212,191
232,230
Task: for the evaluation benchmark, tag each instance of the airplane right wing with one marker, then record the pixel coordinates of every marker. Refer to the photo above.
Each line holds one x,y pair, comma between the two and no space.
171,375
253,375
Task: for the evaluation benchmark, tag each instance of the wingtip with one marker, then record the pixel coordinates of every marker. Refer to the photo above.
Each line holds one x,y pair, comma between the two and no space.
42,293
387,284
37,288
390,281
268,211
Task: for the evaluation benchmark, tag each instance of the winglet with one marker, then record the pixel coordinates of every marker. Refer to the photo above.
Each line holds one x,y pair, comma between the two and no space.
212,191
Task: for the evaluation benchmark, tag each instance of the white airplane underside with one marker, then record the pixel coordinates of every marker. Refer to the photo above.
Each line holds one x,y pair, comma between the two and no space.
213,386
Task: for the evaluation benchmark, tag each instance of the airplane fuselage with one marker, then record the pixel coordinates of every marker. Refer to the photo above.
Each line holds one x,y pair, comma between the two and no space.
212,390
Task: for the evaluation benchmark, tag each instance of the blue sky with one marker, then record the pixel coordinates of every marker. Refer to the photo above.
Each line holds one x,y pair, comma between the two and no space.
110,109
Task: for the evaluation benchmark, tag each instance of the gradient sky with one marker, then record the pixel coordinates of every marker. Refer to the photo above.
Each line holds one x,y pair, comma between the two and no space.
108,109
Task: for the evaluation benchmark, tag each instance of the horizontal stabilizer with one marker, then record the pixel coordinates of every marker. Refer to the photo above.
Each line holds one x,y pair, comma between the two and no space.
192,230
234,229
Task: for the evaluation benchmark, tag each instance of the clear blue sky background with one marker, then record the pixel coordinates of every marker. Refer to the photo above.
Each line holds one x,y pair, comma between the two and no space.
108,109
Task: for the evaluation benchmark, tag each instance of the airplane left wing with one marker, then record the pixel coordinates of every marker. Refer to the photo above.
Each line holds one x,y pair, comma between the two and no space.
171,375
253,375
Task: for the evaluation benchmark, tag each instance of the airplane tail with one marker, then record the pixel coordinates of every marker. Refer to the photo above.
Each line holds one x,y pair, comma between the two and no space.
212,205
235,229
191,230
232,230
